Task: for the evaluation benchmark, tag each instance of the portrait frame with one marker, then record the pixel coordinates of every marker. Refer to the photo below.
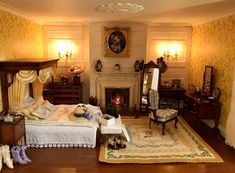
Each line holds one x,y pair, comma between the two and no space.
116,42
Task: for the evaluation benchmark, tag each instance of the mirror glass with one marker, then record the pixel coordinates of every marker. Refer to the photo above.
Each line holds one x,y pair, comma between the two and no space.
207,82
150,80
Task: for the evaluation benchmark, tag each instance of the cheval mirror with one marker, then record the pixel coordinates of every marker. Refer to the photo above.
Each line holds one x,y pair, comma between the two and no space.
149,80
207,81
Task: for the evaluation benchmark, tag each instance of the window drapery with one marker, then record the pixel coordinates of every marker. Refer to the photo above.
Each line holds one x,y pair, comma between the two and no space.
230,126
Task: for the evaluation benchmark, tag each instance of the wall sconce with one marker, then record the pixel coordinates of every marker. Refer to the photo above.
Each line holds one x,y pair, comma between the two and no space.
65,55
171,50
65,49
166,55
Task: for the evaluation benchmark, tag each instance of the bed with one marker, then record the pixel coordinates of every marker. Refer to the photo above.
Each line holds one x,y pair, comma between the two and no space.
62,129
59,128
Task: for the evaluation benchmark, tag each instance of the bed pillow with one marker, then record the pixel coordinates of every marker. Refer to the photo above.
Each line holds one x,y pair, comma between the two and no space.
44,111
49,106
27,110
28,115
28,101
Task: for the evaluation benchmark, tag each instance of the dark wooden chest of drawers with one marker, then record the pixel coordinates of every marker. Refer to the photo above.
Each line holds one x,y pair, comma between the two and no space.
59,93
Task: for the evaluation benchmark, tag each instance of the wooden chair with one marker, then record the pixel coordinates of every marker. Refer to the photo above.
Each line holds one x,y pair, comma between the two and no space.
157,115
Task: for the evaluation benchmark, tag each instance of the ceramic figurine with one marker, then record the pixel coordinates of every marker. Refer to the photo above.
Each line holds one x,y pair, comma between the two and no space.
137,66
98,66
161,64
117,67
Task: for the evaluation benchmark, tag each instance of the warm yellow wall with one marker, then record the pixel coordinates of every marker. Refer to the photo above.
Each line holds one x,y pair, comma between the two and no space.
19,38
213,44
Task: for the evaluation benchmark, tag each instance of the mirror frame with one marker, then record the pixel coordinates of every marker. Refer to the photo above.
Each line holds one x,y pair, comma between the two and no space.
149,65
207,87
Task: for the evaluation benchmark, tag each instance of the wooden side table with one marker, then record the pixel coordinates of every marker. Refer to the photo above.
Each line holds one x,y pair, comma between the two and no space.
12,132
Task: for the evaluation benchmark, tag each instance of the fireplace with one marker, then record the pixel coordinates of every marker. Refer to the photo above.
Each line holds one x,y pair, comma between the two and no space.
127,82
117,97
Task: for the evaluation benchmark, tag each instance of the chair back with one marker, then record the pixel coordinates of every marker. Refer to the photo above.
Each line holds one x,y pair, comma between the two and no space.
153,99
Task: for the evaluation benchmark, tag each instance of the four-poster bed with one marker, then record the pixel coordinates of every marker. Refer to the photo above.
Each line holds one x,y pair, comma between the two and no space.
46,125
11,67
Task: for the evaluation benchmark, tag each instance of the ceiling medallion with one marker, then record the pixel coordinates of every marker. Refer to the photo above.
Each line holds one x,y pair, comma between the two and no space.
120,7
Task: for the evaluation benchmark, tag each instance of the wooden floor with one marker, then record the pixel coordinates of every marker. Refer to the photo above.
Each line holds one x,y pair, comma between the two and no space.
73,160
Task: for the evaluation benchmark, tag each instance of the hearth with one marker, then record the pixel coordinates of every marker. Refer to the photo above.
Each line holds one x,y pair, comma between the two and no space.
117,97
118,80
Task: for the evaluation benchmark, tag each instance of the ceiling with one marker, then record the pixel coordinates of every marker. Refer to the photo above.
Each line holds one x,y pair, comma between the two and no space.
177,12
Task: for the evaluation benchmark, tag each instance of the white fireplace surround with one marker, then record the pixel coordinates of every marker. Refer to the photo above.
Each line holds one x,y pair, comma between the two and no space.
117,79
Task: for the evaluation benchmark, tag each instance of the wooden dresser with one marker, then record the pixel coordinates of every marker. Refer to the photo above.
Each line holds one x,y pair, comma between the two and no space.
60,93
11,132
203,108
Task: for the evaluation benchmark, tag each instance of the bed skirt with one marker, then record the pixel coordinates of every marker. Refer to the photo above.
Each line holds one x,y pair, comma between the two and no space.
41,136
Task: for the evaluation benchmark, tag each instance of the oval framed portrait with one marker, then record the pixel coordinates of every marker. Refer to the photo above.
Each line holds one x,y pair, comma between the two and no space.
116,42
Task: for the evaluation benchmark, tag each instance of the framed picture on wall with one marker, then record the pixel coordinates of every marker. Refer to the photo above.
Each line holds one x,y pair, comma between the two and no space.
116,42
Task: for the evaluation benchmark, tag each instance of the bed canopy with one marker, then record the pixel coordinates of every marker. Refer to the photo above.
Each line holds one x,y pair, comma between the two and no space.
15,74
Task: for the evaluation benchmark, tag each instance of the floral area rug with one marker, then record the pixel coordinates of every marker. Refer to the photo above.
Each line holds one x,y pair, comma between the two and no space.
150,146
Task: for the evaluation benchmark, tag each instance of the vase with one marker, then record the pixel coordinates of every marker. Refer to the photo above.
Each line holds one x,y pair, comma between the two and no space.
98,66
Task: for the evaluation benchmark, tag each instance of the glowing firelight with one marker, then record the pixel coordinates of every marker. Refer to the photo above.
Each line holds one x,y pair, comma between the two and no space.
117,100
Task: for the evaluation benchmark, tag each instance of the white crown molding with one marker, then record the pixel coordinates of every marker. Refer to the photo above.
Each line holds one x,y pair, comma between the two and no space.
66,24
19,13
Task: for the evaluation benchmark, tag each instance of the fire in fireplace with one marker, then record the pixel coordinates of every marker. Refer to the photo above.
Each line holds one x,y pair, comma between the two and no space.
117,97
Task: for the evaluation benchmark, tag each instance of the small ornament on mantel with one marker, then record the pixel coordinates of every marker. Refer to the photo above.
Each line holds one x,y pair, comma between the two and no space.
117,67
98,66
161,65
138,66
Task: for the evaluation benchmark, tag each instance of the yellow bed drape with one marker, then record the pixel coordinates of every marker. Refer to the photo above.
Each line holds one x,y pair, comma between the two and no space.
17,90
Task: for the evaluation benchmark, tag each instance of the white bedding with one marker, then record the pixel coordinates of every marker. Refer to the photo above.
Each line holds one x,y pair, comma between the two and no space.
62,129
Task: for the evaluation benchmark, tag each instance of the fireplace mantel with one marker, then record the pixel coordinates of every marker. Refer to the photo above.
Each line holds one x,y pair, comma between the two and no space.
119,79
116,73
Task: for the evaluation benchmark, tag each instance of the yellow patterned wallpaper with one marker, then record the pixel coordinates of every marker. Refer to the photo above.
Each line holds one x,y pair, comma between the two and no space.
19,38
213,44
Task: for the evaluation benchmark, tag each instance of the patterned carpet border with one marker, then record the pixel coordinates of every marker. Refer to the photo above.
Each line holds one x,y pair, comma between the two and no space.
135,151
